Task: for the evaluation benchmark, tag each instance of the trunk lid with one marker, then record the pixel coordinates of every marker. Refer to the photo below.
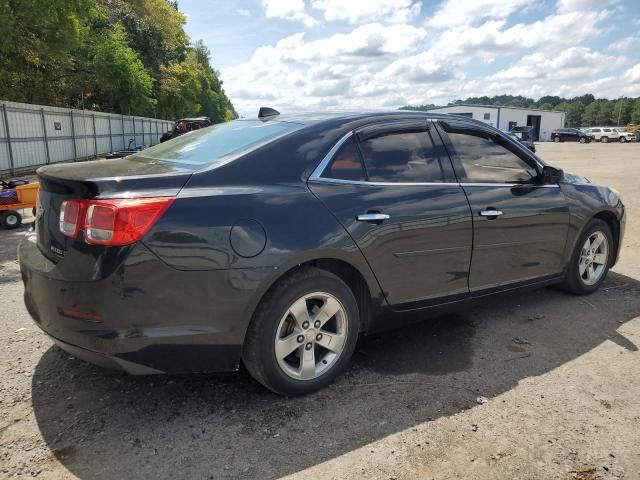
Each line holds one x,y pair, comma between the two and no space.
127,177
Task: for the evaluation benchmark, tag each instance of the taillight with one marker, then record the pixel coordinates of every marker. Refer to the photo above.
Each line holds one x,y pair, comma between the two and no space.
117,222
70,217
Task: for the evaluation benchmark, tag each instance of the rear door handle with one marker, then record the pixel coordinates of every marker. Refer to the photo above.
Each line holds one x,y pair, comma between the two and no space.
490,213
373,217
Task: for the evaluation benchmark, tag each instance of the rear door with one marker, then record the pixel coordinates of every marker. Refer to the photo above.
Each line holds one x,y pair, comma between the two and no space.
520,226
393,188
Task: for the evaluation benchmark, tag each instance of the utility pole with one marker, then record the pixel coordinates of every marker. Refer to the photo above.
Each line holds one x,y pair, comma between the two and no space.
620,110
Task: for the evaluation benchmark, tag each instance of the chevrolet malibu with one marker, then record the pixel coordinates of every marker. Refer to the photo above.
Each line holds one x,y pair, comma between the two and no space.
276,241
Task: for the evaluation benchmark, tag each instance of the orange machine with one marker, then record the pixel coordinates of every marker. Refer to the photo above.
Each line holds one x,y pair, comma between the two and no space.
14,198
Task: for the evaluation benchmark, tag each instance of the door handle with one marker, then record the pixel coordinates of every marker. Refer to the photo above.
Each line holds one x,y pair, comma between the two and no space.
490,213
372,217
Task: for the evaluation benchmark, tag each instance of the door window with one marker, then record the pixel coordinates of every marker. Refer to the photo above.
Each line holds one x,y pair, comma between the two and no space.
402,157
346,164
483,159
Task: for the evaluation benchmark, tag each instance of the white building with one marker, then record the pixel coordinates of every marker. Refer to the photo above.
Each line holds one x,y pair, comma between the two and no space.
505,118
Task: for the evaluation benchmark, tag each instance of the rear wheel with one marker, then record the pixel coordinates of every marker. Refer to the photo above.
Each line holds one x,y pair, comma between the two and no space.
303,333
591,259
11,219
604,139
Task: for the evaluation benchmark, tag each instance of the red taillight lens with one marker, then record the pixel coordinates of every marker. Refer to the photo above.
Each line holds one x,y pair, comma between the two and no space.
122,222
115,222
70,217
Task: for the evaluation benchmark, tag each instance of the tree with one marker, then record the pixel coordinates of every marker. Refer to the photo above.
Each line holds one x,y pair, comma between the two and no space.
117,76
115,55
546,106
635,112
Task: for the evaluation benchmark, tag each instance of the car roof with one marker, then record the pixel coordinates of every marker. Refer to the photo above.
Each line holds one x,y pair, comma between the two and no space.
315,118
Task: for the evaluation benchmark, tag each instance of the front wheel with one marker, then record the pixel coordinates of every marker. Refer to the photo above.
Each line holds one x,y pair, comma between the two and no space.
591,259
623,139
583,140
556,139
303,333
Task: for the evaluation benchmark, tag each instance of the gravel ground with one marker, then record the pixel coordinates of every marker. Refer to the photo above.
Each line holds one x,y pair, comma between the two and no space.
559,376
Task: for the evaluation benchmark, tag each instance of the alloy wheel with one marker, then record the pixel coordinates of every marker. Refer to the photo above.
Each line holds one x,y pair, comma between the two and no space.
593,258
311,336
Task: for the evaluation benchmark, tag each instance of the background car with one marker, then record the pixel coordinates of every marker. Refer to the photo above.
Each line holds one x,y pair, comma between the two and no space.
570,135
185,125
610,134
527,143
276,241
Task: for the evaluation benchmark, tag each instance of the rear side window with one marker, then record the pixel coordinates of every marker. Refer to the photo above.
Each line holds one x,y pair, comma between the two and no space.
402,157
595,130
211,145
483,160
346,164
606,129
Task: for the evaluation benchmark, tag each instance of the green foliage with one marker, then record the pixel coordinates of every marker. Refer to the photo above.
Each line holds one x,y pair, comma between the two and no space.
582,111
126,56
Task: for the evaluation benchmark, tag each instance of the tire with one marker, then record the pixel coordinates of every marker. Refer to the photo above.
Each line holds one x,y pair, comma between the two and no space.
575,281
623,139
273,323
556,139
583,140
11,219
604,139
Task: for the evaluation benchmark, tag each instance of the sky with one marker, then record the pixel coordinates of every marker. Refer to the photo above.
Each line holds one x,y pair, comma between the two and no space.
315,55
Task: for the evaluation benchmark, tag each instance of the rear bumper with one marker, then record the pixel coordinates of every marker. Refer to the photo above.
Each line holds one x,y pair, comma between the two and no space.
146,317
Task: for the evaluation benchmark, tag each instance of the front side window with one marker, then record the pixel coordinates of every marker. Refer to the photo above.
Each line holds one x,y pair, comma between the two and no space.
483,160
402,157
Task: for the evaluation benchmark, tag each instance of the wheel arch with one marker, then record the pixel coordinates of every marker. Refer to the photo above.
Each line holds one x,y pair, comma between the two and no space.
366,290
613,222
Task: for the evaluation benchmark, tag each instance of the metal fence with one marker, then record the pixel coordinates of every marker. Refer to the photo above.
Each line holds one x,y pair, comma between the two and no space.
35,135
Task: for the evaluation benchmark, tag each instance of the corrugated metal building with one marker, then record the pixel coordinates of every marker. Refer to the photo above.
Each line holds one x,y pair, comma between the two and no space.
33,135
505,118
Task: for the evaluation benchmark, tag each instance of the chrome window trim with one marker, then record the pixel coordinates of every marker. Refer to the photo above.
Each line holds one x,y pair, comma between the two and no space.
316,175
425,184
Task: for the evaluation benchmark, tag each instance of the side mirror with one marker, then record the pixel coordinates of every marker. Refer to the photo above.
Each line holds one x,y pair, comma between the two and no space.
551,175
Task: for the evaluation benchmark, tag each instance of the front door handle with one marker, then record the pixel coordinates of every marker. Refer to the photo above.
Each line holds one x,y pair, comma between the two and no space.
372,217
491,212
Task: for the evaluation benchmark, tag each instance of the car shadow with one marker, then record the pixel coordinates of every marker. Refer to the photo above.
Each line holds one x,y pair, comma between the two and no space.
102,424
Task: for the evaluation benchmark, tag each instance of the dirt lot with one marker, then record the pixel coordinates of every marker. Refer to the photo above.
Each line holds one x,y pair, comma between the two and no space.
561,375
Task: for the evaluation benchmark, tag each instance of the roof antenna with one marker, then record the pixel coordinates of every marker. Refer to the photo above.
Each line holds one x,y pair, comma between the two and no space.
266,113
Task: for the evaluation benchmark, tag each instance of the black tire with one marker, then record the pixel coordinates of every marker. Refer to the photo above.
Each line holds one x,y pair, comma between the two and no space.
259,352
573,281
623,139
604,139
11,219
556,139
583,140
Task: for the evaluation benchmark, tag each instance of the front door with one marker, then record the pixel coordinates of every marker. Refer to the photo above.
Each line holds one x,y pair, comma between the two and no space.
393,189
520,226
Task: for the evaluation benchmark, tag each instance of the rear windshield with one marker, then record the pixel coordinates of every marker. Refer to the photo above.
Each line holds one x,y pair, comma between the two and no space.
213,144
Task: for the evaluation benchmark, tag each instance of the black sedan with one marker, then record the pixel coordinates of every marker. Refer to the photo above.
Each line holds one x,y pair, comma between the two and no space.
276,241
570,135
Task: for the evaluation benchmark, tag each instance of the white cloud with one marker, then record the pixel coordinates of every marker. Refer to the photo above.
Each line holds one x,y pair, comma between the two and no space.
624,45
583,5
466,12
389,64
243,12
568,64
361,11
288,10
